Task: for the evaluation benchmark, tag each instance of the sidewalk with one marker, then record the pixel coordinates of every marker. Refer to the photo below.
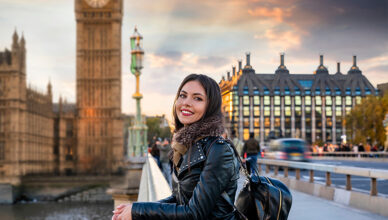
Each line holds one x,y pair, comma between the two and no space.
309,207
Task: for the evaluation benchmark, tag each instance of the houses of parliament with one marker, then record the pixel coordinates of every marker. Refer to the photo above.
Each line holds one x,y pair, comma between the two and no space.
38,136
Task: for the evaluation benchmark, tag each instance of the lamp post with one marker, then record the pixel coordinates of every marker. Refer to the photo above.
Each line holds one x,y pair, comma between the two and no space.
138,132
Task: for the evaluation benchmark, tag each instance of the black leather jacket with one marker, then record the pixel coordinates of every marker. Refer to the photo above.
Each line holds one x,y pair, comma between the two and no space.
198,185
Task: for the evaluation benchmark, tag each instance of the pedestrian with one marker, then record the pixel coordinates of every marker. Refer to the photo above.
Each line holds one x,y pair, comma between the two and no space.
320,151
361,148
367,147
164,150
238,144
204,165
155,152
252,149
325,148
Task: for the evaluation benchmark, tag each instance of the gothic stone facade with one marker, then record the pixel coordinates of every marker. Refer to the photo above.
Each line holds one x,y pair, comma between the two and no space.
308,106
26,122
37,136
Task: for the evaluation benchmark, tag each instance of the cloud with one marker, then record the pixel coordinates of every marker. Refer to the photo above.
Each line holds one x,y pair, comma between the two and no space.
375,68
179,60
170,54
276,13
341,27
171,67
213,61
377,63
283,40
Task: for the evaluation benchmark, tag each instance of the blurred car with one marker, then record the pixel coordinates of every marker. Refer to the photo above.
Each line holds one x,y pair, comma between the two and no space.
288,149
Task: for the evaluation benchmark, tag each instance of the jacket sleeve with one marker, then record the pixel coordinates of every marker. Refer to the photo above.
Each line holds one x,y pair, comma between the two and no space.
218,170
170,199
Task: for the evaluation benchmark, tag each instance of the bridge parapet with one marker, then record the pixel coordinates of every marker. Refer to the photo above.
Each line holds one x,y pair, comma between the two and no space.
153,185
372,202
359,156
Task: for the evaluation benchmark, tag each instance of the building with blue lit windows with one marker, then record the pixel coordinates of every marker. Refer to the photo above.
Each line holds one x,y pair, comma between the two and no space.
307,106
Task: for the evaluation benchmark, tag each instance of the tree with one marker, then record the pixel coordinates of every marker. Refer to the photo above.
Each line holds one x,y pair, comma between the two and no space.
156,128
365,121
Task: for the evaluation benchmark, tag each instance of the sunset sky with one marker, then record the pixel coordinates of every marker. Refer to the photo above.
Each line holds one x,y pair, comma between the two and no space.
185,36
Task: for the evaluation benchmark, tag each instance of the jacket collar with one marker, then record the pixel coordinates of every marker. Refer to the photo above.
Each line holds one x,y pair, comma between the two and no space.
196,153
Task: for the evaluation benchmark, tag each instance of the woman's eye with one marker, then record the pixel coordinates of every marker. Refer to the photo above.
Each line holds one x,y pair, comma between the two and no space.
198,98
182,96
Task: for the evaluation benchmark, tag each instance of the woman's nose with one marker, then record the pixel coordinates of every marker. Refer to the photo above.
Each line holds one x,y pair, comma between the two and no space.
187,101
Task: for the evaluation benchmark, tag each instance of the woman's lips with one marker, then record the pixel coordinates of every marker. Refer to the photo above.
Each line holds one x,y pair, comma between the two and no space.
186,112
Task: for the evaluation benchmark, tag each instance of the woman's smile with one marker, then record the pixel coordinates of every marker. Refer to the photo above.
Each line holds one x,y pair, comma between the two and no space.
186,112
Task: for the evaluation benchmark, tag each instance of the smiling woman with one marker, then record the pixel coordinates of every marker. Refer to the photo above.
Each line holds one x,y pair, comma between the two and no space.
204,164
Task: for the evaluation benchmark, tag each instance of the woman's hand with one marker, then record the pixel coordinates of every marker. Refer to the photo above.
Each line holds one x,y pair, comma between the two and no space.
123,212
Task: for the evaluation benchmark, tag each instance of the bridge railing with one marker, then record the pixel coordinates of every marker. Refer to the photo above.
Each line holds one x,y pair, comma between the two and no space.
350,154
153,185
373,174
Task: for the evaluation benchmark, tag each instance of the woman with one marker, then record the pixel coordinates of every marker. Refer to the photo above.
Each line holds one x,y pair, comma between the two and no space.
200,173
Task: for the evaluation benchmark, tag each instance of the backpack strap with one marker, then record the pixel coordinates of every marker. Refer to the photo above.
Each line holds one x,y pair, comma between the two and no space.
243,165
229,200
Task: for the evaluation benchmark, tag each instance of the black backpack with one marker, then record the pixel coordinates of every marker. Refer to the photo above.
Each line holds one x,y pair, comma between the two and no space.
261,197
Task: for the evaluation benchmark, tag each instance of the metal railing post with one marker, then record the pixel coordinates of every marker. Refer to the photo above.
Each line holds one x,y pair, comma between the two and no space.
328,179
373,187
348,182
311,176
285,171
297,174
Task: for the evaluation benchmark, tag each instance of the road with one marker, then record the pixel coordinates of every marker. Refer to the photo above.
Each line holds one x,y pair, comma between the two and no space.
361,184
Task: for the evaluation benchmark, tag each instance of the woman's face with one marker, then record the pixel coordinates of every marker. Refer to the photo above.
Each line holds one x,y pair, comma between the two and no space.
191,103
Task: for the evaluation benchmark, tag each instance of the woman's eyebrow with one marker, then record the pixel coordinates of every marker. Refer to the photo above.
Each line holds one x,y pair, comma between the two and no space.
197,93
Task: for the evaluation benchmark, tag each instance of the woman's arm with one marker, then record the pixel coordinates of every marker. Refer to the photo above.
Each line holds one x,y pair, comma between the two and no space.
170,199
215,176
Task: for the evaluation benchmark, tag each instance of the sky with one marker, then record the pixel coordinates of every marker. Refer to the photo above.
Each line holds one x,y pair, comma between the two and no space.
208,37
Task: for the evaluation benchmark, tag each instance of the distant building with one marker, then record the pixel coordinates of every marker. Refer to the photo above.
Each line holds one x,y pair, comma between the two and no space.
38,136
65,145
385,123
26,118
98,109
308,106
383,88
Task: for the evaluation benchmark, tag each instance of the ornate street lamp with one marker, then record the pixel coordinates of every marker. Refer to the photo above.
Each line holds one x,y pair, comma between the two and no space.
137,55
138,132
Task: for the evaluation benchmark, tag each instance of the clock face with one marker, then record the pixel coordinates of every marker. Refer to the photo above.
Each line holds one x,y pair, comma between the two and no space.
97,3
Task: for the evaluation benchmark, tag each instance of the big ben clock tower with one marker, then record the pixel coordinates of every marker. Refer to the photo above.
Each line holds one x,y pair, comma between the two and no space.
99,123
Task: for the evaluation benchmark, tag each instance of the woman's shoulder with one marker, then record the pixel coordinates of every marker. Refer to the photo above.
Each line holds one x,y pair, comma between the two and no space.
216,144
